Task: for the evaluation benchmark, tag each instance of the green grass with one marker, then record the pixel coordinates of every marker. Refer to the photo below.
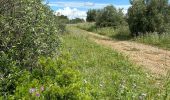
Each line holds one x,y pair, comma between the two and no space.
123,33
162,41
111,74
119,33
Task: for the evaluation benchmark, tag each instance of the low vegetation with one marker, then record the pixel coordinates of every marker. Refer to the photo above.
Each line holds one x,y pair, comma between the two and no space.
32,65
65,20
147,21
159,40
123,33
117,33
43,59
111,75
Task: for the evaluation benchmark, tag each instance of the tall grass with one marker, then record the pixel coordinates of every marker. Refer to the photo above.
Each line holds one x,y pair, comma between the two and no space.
159,40
117,33
123,33
111,74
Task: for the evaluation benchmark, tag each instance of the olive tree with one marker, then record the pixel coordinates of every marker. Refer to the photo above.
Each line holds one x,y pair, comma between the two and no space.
148,16
28,29
109,16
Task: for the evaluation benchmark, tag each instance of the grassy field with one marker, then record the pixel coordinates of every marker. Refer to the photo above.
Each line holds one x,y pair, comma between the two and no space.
162,41
111,75
119,33
123,33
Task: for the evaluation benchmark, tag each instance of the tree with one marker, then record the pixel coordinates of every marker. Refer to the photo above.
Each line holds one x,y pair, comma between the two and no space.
63,19
136,17
109,16
76,20
91,15
148,16
28,30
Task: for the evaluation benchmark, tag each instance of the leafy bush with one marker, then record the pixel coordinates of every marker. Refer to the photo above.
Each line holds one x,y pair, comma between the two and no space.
76,20
148,16
109,16
29,40
91,15
53,79
28,30
62,21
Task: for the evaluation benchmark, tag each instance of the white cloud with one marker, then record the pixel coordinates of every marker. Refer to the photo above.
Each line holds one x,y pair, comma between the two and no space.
89,4
78,4
71,9
72,13
75,13
125,7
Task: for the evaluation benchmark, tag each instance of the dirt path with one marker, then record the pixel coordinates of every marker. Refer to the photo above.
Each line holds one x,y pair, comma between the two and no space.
151,58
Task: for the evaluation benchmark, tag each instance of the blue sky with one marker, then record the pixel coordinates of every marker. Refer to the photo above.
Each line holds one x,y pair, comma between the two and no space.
58,4
78,8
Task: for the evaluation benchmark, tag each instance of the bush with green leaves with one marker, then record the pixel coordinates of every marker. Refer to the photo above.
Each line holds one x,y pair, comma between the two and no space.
62,21
76,20
53,79
28,29
148,16
91,15
109,16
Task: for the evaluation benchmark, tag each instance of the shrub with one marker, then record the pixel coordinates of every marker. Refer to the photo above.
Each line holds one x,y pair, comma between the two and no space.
28,30
76,20
61,21
109,16
148,16
91,15
53,79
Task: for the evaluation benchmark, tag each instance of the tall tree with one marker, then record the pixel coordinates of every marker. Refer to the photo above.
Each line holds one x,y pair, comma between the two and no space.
91,15
109,16
148,16
136,17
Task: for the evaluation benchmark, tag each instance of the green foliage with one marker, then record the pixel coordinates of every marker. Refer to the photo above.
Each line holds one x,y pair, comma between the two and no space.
52,79
29,40
27,30
106,17
136,17
111,74
76,20
109,16
148,16
117,33
159,40
91,15
62,21
63,18
123,33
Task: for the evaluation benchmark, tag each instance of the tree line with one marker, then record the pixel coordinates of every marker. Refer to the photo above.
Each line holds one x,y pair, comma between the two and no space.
143,16
66,20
